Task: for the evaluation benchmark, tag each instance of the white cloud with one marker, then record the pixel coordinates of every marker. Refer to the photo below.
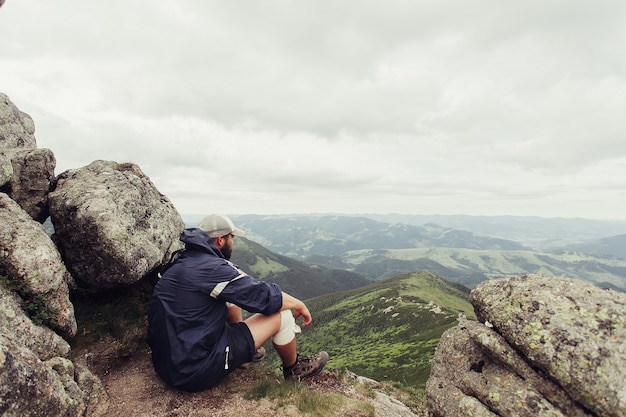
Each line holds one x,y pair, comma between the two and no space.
481,107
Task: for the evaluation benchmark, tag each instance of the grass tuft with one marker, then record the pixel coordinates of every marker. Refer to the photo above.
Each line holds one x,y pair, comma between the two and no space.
306,400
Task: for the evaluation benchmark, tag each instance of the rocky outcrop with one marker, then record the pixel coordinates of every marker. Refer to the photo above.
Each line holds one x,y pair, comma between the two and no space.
26,173
32,387
111,224
35,268
550,346
29,176
36,377
17,129
17,326
112,228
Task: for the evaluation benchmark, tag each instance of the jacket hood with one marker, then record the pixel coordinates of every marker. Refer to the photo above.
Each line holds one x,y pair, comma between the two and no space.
196,239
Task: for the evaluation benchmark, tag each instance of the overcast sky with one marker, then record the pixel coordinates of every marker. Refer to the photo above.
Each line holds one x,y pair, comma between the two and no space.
354,106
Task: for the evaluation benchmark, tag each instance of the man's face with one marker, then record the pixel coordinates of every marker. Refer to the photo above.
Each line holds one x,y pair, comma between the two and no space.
227,248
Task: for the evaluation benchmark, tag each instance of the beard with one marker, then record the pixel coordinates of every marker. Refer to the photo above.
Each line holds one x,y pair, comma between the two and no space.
227,250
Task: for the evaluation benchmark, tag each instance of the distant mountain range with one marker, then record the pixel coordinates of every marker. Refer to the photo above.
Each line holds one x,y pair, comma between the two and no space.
578,248
538,233
614,246
301,236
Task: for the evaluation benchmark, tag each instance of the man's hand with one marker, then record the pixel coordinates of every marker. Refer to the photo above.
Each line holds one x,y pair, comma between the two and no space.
298,307
304,312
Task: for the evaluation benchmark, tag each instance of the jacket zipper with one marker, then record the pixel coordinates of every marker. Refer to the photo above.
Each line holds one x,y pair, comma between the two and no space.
226,362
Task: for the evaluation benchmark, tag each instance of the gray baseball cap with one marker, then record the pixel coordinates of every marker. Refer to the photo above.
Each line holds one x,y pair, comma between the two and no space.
216,225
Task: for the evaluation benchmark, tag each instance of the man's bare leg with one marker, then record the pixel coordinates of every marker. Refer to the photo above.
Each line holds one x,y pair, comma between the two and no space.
282,328
263,328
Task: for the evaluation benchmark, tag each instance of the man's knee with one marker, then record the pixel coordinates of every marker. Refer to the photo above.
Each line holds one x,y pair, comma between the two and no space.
288,329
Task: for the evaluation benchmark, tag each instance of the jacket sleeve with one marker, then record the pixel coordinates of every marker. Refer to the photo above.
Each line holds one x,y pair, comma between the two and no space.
243,290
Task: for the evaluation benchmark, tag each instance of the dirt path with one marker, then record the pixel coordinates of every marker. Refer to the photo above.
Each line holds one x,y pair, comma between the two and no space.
136,391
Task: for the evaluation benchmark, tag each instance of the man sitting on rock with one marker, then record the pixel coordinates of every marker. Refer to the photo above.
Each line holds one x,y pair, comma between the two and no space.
194,321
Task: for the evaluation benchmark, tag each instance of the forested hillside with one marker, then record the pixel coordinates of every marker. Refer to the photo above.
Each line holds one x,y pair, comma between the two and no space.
297,278
388,330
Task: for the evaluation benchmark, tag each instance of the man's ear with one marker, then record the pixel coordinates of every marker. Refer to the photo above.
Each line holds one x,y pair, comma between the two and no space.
219,242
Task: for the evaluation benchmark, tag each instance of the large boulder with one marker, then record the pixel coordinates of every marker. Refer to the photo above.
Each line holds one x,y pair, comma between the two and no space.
30,175
31,263
571,330
112,226
17,129
550,346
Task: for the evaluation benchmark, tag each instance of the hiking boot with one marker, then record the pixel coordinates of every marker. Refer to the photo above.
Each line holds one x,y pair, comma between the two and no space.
259,355
306,366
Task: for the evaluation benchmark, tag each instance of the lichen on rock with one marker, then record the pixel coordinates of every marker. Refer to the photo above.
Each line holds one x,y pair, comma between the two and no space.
112,225
554,346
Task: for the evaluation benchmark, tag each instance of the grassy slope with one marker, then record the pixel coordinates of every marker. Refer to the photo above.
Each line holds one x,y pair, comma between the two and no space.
386,331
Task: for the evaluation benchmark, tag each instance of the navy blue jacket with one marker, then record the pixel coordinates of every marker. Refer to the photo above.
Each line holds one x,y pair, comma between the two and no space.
187,326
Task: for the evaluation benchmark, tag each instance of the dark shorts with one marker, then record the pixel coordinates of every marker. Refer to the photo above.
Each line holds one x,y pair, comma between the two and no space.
241,345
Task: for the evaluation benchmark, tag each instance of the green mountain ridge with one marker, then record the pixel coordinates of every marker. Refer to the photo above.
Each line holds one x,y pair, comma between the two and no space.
302,236
387,330
297,278
539,233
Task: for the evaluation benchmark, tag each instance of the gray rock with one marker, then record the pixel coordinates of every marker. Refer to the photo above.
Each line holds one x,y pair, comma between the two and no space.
14,323
112,225
387,406
6,169
94,394
26,172
475,372
33,265
550,346
31,387
30,175
17,129
384,404
571,330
